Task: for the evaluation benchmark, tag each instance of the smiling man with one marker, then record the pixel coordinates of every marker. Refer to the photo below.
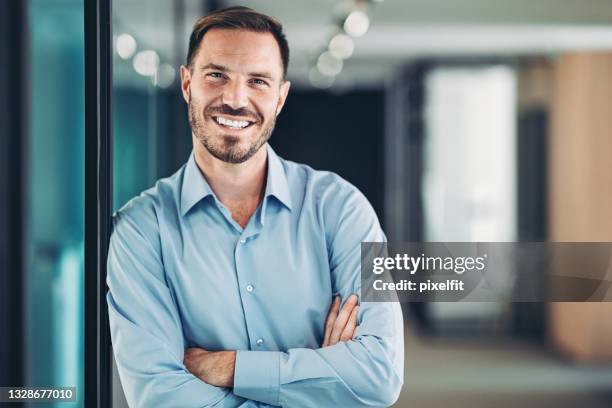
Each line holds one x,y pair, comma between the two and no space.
234,282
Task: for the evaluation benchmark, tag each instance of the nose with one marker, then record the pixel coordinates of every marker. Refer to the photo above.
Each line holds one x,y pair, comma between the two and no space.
235,95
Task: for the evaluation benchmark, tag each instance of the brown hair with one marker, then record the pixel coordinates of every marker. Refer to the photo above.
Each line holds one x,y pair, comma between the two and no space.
238,18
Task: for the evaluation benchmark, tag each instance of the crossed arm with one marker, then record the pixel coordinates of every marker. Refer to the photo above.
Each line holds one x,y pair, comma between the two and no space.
217,367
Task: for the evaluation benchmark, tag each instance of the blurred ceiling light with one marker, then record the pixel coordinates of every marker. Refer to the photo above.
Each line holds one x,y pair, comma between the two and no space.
318,80
357,23
329,65
125,46
342,46
165,76
146,62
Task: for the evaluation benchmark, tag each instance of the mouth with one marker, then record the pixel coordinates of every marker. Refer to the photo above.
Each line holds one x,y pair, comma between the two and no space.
227,122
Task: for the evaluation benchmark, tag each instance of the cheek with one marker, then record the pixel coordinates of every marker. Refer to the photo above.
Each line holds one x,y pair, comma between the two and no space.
199,104
268,106
204,95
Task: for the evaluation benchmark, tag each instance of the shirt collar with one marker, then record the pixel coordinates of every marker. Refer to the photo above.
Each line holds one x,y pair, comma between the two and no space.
194,186
277,184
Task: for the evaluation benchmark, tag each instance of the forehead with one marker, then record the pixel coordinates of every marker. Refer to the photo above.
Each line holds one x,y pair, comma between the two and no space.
240,50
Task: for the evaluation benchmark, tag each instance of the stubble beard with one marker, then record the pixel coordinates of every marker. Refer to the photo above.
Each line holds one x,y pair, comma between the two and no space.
227,147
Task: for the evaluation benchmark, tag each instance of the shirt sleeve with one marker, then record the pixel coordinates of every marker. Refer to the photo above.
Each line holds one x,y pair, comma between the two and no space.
145,326
364,372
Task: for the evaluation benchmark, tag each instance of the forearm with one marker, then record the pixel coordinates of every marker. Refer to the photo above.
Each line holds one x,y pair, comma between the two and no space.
213,367
217,367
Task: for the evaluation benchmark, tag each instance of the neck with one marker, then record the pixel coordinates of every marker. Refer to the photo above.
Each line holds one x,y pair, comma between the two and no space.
233,183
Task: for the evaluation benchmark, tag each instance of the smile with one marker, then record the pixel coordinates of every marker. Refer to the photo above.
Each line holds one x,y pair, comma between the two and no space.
232,124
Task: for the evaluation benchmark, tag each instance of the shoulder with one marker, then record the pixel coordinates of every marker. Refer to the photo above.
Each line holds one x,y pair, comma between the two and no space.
325,187
143,211
334,200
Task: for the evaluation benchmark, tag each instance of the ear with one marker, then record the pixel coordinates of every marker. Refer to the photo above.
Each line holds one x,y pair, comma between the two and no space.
284,91
185,82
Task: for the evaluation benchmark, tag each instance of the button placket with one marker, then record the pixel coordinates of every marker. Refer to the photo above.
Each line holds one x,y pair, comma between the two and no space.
247,290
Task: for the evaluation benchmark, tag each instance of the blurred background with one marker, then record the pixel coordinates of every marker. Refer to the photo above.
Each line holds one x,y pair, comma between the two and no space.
469,120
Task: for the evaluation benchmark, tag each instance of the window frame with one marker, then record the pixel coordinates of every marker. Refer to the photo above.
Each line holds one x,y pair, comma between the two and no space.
98,199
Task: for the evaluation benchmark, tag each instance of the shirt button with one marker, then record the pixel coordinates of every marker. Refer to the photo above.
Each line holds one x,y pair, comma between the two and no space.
243,240
260,342
249,288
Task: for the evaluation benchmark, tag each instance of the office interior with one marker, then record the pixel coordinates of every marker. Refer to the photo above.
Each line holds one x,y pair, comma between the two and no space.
472,120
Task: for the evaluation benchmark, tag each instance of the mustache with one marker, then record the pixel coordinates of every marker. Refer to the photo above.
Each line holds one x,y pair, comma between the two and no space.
228,110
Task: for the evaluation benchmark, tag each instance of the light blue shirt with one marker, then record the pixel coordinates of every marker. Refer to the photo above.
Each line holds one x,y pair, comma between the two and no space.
182,273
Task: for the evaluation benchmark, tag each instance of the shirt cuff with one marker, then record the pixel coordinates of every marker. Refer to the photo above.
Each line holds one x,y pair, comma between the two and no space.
257,375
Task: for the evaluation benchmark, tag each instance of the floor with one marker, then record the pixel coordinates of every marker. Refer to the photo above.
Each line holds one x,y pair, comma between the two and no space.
497,373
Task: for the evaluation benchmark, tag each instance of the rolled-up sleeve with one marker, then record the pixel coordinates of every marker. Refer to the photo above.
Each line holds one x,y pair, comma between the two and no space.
145,326
364,372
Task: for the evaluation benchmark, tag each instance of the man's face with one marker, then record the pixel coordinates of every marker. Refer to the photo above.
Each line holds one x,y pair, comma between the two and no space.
235,90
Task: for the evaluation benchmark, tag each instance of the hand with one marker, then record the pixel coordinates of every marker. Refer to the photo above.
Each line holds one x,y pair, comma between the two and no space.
213,367
341,326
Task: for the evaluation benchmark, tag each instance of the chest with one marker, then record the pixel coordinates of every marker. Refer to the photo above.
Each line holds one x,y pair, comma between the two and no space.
242,211
233,288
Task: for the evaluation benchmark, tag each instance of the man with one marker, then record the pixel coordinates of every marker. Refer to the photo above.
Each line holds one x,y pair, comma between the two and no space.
221,277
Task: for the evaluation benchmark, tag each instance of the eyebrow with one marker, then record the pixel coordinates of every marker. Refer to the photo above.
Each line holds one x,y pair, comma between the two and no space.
261,75
225,69
214,66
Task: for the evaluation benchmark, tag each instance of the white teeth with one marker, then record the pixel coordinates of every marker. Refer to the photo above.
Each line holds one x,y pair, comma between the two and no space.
236,124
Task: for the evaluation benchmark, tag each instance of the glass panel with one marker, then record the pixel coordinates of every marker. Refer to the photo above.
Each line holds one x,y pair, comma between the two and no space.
151,139
150,131
54,278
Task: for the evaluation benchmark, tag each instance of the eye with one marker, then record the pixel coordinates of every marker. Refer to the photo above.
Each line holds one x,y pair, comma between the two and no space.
215,75
259,82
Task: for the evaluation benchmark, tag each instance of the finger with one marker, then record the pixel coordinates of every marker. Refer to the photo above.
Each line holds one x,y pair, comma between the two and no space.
349,329
342,318
331,318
